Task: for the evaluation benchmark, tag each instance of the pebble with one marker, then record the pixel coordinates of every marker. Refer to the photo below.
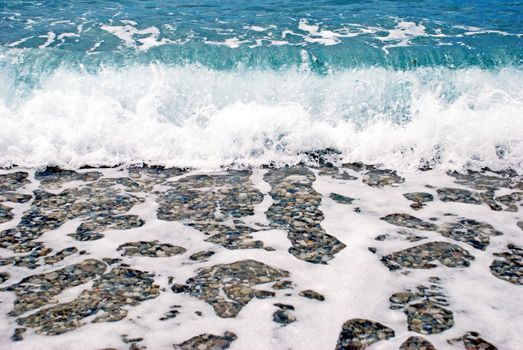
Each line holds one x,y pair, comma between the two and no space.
5,214
382,177
13,181
203,255
422,256
419,199
153,249
510,268
447,194
510,200
283,317
54,177
4,276
172,313
485,180
18,334
427,317
198,197
338,198
310,294
409,221
232,236
234,280
38,290
359,334
284,306
49,211
417,343
208,342
110,293
424,308
295,209
336,173
473,341
473,232
285,284
91,230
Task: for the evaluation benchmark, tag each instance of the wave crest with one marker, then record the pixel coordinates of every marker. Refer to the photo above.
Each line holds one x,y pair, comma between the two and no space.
197,117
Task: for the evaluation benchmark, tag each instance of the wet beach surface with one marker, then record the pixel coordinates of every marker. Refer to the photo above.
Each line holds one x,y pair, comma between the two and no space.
333,256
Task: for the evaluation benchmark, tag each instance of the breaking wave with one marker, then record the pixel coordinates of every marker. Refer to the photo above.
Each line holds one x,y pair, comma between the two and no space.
192,116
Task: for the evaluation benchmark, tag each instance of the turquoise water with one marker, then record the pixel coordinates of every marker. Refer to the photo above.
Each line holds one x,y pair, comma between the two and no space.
231,34
209,83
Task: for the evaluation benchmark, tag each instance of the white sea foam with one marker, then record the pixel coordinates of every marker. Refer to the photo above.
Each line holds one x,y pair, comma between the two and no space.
229,42
260,29
141,39
191,116
327,37
469,30
403,34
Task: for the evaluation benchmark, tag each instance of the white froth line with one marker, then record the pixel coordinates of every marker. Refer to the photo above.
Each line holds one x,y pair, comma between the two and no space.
233,43
260,29
96,45
21,41
50,39
68,35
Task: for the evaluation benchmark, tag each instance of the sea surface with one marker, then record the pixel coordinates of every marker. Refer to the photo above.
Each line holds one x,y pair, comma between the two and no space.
207,84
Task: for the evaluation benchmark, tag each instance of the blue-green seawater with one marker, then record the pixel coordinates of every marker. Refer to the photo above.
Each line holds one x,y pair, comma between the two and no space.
212,83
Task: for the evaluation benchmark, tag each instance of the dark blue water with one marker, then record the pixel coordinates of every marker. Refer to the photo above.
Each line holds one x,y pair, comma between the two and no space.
208,83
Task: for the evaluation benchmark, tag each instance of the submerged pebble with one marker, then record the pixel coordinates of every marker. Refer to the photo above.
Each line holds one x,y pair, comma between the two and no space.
382,177
425,308
199,256
283,317
111,292
153,249
409,221
417,343
296,210
359,334
422,256
473,232
208,342
419,199
341,199
510,268
473,341
310,294
229,287
447,194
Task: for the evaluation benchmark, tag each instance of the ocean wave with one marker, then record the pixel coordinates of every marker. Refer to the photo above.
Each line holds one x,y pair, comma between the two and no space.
192,116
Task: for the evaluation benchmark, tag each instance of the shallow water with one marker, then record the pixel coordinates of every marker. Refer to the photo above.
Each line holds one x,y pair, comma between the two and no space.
156,220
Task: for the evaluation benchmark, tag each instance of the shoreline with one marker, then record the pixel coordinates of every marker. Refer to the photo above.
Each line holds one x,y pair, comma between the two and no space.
296,257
